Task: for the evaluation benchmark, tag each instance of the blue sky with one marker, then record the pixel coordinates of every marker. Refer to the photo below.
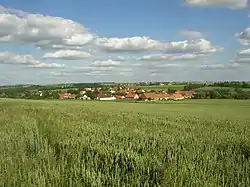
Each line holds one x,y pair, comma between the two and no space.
56,41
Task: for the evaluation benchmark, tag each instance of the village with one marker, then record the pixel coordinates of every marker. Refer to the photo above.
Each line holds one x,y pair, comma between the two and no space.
126,94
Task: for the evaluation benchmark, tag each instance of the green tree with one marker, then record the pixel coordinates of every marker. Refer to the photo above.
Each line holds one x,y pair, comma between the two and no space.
73,91
92,95
171,91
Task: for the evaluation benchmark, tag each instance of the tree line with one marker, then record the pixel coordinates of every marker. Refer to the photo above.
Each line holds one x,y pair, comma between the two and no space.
233,84
223,94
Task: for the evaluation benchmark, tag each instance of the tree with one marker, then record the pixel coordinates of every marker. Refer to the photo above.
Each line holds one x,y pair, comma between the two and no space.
171,91
200,95
214,94
92,95
55,95
189,87
72,91
45,94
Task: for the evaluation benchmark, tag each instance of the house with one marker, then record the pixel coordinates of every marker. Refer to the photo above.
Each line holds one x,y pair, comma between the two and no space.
177,96
140,91
187,94
108,98
112,91
122,91
82,92
101,95
154,96
104,97
119,97
40,93
88,89
131,91
132,96
66,95
85,97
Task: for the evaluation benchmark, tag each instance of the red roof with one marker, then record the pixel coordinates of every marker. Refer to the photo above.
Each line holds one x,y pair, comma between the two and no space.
102,95
130,95
177,95
186,93
153,96
118,97
66,95
140,91
122,91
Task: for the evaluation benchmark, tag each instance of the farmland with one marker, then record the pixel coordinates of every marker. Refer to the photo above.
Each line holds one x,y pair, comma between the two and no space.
91,143
219,88
161,87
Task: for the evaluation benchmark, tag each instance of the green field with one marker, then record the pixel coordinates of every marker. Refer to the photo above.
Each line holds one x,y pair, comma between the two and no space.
72,143
219,88
159,87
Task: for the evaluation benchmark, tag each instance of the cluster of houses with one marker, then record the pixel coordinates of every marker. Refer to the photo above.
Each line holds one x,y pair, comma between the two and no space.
130,94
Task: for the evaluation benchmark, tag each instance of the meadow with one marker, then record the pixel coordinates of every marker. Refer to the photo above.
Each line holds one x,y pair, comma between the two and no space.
160,87
90,143
219,88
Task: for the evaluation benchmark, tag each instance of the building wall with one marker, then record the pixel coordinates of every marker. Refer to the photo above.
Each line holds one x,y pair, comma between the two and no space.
107,99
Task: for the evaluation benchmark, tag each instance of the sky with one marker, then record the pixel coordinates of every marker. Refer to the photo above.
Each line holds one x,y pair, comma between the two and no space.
46,42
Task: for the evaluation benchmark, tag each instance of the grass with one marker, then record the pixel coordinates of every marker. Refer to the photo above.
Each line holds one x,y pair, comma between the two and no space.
159,87
73,143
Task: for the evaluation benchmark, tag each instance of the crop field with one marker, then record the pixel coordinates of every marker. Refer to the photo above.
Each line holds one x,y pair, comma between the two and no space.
90,143
159,87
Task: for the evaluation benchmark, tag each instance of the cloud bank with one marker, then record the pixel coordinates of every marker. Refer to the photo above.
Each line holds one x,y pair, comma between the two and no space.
231,4
25,60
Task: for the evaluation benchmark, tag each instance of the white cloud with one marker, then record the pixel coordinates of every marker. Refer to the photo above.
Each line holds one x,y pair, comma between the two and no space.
199,46
82,71
21,27
105,63
232,4
25,59
219,66
127,74
170,57
48,46
47,32
244,36
168,66
244,53
67,55
74,41
46,65
58,74
126,69
243,60
190,34
243,57
164,68
79,39
145,43
136,64
96,73
129,44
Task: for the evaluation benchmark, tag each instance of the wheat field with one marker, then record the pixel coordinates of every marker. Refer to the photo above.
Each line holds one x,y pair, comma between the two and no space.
73,143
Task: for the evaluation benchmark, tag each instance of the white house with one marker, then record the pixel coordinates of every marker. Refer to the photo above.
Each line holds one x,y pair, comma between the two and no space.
85,97
88,89
107,98
82,92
